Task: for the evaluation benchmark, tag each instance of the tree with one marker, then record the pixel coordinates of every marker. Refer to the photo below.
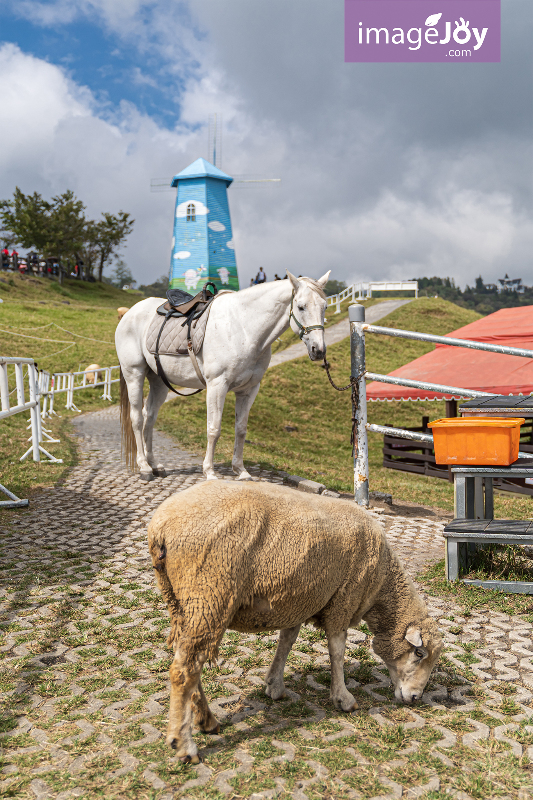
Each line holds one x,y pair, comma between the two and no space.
59,228
156,289
105,237
55,228
122,276
334,287
26,218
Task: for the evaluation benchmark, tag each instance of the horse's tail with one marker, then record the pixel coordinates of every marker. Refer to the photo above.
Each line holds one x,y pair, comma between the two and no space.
128,442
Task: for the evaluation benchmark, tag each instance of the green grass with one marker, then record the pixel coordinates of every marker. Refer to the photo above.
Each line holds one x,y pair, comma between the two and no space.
473,597
40,308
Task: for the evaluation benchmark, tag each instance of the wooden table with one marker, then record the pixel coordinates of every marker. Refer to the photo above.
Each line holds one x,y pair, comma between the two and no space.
474,522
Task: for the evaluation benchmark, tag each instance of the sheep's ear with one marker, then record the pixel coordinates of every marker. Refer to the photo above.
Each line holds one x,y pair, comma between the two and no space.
324,279
412,635
295,282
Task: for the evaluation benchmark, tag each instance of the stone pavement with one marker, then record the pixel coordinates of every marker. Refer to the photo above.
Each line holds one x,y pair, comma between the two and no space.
338,332
85,669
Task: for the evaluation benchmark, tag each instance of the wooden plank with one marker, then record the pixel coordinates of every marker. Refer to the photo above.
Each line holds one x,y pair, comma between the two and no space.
468,525
487,538
509,526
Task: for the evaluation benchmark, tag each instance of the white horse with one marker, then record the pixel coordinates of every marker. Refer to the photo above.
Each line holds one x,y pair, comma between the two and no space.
234,357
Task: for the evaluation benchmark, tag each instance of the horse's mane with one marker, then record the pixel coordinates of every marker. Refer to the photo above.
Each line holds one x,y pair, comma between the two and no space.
314,285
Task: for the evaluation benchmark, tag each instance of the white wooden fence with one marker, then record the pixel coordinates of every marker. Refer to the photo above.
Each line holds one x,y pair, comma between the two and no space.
359,291
20,378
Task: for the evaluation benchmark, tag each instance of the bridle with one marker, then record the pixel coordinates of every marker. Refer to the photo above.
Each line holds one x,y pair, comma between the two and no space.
303,331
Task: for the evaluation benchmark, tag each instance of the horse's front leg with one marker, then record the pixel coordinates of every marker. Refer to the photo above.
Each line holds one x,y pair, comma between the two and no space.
216,396
243,404
156,397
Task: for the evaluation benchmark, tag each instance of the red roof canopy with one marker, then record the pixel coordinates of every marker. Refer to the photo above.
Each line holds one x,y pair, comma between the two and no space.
471,369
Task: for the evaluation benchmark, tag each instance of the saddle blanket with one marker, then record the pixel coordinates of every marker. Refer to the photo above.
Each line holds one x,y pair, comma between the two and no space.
173,341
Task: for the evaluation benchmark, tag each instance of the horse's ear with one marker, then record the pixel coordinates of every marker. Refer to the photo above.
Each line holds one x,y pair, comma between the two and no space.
324,279
295,282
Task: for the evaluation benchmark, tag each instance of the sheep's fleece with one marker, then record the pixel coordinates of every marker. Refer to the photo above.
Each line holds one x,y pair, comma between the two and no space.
258,556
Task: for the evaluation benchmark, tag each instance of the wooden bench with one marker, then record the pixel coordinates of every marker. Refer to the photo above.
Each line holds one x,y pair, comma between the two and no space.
463,536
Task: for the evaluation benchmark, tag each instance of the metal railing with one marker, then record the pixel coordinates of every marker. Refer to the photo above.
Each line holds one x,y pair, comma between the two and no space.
363,290
358,328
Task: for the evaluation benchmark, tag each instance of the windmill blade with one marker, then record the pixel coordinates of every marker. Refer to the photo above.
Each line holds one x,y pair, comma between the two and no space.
214,139
161,185
253,181
242,181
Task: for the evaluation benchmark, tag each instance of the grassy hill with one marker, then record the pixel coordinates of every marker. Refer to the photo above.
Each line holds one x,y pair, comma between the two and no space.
63,328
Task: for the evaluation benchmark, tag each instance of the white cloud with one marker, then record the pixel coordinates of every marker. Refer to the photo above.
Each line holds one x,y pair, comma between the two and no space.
216,226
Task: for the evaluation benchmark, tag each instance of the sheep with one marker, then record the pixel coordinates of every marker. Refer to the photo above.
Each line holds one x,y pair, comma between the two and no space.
92,374
121,311
258,557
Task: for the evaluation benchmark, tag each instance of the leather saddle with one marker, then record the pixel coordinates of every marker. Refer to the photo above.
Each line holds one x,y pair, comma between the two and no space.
183,304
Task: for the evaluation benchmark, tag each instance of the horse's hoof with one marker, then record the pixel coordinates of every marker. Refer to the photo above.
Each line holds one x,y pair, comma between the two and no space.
147,476
160,473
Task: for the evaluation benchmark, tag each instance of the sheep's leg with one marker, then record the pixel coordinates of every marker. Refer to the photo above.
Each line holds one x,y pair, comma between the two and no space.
216,395
275,687
203,716
185,673
339,694
156,398
243,404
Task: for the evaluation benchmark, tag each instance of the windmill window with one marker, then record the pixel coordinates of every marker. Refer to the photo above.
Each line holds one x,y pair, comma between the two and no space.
191,213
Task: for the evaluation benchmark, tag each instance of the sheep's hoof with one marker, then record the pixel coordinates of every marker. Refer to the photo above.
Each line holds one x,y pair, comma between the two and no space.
147,476
190,759
214,731
160,473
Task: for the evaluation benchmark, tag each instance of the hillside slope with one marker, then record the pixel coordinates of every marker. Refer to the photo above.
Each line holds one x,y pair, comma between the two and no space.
62,327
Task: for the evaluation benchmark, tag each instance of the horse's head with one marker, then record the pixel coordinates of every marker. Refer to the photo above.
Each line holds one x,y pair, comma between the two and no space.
308,307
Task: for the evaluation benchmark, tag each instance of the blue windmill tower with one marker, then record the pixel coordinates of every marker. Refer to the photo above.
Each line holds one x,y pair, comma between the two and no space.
202,246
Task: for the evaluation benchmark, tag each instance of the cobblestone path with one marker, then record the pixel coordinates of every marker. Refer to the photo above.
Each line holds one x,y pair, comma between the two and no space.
85,670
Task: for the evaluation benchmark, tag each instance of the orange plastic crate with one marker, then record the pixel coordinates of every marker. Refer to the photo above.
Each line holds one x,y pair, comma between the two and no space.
476,440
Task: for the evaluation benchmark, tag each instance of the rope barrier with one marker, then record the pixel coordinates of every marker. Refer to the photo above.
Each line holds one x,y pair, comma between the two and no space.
41,327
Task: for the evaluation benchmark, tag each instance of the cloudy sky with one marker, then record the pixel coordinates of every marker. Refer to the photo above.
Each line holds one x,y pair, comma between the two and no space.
388,171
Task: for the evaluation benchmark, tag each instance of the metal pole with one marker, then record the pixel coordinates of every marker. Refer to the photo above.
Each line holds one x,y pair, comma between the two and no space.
356,315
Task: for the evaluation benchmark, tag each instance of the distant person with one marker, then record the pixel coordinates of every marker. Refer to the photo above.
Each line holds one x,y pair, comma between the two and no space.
276,277
252,282
14,259
5,258
261,276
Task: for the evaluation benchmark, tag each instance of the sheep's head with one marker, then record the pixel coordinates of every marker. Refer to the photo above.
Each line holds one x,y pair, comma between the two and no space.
410,670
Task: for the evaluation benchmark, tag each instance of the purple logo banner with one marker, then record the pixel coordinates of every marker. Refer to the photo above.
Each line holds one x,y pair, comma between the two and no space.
436,31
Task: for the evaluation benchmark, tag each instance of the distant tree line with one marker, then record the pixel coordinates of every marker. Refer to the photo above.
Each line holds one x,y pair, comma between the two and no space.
485,298
156,289
59,229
